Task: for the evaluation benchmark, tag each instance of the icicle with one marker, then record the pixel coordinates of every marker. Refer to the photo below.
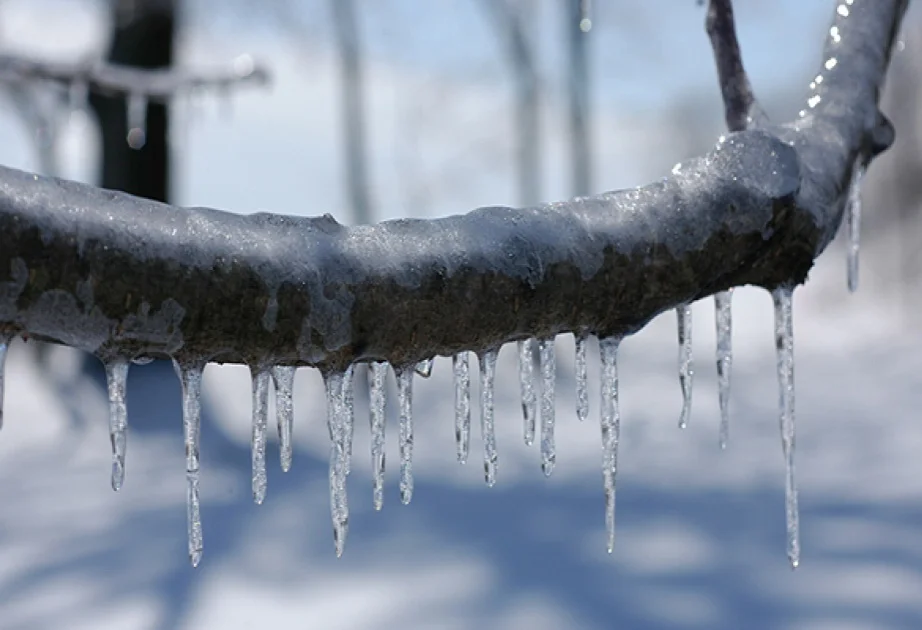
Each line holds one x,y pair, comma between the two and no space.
582,388
853,223
260,385
116,380
349,402
424,368
611,430
283,376
724,322
336,423
548,381
527,384
377,399
5,339
784,343
487,426
686,367
136,105
190,375
461,366
405,396
77,94
585,16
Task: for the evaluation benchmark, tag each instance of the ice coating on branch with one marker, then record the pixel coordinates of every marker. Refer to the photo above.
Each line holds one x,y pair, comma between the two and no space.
723,313
611,430
548,381
190,376
260,386
116,382
686,367
405,400
5,339
582,377
377,399
283,376
784,344
487,424
136,115
853,224
462,376
424,367
336,423
527,385
349,402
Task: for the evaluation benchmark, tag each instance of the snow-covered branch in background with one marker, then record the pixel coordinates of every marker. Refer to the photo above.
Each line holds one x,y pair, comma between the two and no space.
153,84
127,278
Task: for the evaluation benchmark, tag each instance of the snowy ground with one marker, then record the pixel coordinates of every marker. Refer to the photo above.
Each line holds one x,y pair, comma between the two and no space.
700,534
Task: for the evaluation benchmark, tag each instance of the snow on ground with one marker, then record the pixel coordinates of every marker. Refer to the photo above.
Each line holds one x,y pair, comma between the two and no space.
700,533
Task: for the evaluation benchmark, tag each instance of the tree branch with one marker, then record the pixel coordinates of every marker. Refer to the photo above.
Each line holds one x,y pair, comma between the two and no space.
111,273
112,79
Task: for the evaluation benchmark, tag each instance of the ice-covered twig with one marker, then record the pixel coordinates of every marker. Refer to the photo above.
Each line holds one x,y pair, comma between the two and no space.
156,84
102,270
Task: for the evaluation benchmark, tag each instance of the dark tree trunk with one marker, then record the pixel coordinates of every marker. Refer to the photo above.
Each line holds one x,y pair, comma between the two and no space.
143,33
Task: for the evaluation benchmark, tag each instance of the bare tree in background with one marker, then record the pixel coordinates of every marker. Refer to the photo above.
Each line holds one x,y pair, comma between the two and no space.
353,116
577,22
514,25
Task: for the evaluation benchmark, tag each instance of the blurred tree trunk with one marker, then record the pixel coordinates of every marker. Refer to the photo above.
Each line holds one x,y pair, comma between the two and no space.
143,33
578,23
353,118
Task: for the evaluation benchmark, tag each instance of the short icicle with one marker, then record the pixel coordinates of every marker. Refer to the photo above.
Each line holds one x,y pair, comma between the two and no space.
349,402
136,115
724,322
336,424
116,381
686,367
190,375
784,343
487,425
582,377
424,367
527,385
260,385
548,399
377,400
462,373
5,339
853,224
611,430
405,399
283,376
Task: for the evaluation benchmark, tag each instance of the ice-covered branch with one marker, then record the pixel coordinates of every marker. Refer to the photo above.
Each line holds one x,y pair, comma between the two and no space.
111,273
156,84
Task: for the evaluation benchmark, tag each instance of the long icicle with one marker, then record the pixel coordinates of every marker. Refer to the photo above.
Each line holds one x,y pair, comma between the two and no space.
853,224
377,398
784,343
116,382
686,367
724,323
462,374
260,386
582,378
349,410
611,430
487,424
190,376
527,385
283,376
5,339
548,382
405,398
336,424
